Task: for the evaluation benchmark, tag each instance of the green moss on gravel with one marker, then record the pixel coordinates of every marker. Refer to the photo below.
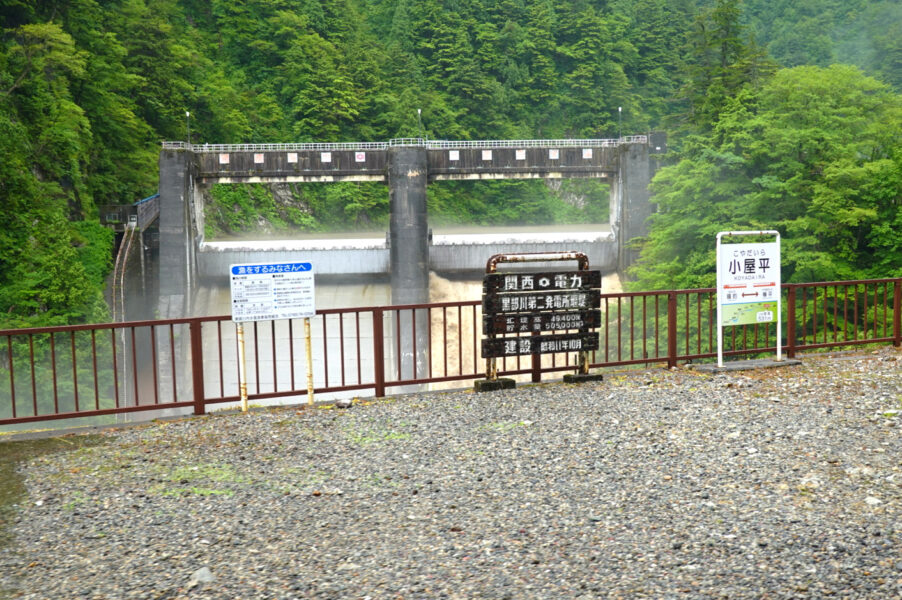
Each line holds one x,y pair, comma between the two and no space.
12,484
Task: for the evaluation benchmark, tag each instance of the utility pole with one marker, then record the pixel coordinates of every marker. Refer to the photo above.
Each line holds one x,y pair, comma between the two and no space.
620,122
188,125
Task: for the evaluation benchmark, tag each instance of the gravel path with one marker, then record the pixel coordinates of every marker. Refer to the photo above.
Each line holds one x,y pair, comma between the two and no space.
781,483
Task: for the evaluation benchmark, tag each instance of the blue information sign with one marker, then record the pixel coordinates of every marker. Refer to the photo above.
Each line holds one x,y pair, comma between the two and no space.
268,291
265,268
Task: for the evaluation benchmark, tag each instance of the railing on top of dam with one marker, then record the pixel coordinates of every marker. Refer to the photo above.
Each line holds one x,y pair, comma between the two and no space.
428,144
108,369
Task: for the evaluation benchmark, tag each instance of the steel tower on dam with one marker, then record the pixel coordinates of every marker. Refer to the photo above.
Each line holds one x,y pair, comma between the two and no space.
407,166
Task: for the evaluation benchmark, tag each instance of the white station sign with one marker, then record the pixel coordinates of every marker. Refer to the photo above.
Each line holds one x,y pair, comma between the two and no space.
748,284
268,291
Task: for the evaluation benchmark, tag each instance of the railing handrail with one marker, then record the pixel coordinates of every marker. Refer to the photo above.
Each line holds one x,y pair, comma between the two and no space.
187,320
419,142
148,199
552,143
679,326
784,286
300,146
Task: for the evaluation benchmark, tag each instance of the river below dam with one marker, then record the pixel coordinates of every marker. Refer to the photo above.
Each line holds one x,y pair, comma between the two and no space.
214,299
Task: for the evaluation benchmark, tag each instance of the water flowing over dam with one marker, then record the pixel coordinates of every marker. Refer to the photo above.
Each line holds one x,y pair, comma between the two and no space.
458,252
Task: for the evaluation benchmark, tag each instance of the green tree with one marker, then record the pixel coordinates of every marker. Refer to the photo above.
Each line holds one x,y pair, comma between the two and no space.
318,89
43,275
596,52
722,60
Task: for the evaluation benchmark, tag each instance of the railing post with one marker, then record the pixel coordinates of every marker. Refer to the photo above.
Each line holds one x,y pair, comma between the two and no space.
197,365
378,353
790,322
897,313
671,329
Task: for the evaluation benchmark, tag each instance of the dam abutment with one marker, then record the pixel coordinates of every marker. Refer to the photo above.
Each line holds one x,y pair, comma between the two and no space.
177,264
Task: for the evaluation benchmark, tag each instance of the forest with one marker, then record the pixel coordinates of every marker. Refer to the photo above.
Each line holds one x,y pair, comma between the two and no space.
780,115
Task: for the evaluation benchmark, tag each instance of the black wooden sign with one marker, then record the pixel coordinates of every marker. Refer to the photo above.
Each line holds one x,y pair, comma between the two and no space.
541,301
539,344
540,282
535,303
544,321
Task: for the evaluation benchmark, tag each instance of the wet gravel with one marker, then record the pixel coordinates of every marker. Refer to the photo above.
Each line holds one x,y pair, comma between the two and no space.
779,483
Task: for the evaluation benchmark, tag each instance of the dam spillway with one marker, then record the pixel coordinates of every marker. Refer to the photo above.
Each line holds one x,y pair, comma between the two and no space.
453,253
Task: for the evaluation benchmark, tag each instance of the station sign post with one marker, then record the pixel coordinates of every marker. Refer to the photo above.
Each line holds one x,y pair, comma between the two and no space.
266,292
748,284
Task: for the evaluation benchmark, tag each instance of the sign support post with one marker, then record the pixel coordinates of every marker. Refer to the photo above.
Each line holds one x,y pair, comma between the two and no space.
242,366
748,285
309,346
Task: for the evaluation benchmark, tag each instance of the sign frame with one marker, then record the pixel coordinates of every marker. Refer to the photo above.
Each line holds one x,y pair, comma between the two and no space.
293,281
512,292
298,285
742,273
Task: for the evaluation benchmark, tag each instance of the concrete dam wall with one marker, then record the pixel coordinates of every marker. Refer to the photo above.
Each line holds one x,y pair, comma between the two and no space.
407,166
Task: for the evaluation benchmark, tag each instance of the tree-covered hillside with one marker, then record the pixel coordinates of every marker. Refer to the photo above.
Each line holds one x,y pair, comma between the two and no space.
88,89
814,152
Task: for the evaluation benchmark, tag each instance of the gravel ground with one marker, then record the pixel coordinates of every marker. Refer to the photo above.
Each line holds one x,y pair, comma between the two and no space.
779,483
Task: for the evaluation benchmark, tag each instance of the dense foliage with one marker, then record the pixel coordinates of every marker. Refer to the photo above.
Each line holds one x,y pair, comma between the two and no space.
88,88
813,152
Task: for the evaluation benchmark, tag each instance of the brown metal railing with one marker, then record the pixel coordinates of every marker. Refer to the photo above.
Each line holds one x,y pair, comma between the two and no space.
191,364
91,370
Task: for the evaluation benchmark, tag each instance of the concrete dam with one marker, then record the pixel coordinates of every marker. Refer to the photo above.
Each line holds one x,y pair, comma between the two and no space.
410,250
